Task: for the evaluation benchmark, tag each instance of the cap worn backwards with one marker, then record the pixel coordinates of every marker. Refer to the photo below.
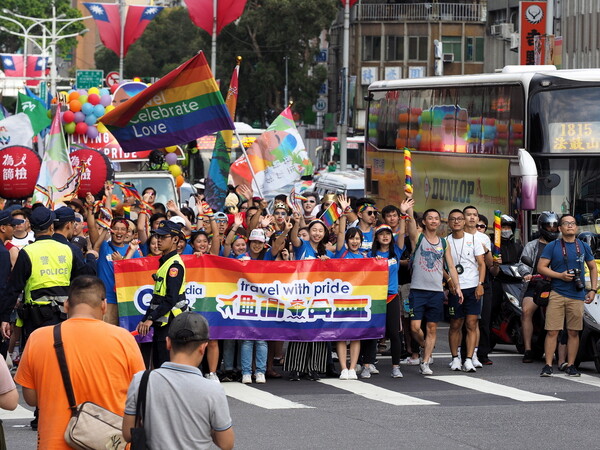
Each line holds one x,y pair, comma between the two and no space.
188,326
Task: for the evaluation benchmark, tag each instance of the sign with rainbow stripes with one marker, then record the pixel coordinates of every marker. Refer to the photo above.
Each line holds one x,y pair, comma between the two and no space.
310,300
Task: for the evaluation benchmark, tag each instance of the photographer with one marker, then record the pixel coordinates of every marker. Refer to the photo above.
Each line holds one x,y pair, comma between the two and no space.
562,261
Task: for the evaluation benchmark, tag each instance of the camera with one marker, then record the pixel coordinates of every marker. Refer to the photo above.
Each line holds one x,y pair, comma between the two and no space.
577,279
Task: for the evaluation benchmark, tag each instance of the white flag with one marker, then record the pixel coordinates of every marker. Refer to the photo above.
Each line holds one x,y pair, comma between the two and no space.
16,130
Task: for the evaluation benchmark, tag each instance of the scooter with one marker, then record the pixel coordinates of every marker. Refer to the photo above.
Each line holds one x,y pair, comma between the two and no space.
589,339
506,324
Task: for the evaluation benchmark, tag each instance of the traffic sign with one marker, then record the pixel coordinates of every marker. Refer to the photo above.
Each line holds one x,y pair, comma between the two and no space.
86,79
321,104
112,78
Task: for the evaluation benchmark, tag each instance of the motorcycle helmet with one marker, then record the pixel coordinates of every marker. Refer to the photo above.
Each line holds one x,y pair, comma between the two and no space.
548,225
590,239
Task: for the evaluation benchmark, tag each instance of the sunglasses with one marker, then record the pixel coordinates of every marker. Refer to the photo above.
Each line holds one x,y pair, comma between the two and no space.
310,201
371,213
221,220
280,213
481,226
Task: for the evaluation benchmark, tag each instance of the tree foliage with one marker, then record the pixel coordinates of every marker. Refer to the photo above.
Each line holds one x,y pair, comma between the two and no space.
39,9
267,33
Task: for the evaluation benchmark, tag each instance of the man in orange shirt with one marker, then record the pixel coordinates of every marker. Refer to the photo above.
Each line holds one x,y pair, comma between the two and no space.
102,360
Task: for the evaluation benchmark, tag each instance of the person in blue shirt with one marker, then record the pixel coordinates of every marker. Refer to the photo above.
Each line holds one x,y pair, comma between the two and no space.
315,247
563,261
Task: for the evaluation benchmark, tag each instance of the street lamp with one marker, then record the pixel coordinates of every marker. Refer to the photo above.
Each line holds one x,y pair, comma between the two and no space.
53,34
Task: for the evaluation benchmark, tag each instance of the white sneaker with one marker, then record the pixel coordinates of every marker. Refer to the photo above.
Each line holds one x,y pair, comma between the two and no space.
476,363
408,361
455,364
213,377
247,379
396,373
468,366
430,362
366,372
425,370
352,374
260,378
344,374
358,368
373,369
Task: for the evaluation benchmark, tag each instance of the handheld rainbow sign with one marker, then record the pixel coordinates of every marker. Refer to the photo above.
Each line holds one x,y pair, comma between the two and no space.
408,186
497,233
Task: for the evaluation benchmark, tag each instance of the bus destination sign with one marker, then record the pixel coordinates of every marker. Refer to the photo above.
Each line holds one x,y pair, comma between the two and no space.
574,136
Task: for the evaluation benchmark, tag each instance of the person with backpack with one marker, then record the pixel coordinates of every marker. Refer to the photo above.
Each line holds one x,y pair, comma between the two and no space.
427,291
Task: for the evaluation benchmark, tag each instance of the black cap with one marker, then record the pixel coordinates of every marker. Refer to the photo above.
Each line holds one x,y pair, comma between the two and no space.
188,326
80,242
6,218
65,214
41,218
168,227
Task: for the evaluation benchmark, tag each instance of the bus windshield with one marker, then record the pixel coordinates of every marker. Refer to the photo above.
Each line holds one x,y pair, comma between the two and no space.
565,121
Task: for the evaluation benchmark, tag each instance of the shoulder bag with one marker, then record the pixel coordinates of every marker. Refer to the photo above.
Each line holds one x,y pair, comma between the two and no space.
91,426
138,434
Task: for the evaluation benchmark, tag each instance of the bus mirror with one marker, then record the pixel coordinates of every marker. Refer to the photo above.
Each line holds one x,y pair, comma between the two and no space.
551,181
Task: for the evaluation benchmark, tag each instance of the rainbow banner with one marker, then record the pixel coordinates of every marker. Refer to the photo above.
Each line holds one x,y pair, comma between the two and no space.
310,300
184,105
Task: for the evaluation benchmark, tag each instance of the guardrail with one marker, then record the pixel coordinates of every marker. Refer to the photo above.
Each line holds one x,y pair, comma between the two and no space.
451,12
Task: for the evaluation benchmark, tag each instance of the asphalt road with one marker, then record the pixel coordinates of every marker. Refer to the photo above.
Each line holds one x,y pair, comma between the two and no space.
506,405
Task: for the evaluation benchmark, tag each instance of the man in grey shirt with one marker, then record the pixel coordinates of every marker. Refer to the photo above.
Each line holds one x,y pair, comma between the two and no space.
183,409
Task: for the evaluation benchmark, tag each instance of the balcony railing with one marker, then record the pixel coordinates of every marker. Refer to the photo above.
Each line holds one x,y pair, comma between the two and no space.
451,12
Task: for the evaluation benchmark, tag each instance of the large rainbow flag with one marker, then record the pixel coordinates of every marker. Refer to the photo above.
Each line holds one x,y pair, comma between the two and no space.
310,300
184,105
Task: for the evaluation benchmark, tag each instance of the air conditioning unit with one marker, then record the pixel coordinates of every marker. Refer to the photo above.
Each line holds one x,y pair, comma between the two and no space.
503,30
448,57
515,40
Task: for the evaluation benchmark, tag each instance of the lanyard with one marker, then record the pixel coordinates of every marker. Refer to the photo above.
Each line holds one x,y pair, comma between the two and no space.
564,251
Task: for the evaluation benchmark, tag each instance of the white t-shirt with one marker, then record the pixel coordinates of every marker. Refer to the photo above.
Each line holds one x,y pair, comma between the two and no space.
464,251
20,243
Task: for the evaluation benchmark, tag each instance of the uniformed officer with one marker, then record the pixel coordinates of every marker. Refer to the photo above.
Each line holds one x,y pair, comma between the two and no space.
64,229
168,298
43,270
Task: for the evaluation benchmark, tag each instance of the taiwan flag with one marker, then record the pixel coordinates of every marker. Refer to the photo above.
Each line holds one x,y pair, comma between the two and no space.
108,21
13,66
138,18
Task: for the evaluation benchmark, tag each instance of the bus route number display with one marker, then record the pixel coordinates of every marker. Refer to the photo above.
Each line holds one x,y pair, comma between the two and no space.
574,136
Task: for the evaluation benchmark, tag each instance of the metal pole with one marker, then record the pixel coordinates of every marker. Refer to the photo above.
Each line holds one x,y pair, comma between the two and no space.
53,73
121,39
213,49
342,136
285,89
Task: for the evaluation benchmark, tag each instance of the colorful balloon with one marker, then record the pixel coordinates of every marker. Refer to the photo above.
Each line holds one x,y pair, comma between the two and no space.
83,98
113,88
70,127
81,128
91,119
94,99
87,109
92,132
109,108
103,91
171,149
75,105
105,100
79,117
171,158
68,116
93,90
98,110
73,95
82,92
179,180
102,128
175,170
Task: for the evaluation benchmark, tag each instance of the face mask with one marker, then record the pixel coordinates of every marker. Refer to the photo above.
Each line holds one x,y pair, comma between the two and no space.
507,234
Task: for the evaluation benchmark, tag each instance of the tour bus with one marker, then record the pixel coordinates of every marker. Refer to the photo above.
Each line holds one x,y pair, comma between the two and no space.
521,141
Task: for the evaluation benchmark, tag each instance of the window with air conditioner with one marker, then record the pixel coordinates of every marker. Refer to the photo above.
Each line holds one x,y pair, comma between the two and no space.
453,45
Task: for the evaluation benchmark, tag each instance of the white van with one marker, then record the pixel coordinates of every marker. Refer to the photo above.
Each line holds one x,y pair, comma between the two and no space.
349,182
162,182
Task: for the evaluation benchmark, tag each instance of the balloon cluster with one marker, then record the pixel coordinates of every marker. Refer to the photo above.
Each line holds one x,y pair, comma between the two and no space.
174,168
85,107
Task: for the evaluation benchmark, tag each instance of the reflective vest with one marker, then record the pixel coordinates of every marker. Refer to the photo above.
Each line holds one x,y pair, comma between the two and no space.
51,266
160,288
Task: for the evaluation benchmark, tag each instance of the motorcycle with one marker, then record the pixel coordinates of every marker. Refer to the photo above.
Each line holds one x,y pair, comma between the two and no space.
589,339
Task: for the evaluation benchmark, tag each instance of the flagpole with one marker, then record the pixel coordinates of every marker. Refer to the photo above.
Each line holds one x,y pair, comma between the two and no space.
342,137
213,54
121,45
249,163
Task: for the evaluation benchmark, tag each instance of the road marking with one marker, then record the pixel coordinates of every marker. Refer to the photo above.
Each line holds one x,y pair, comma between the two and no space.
376,393
488,387
19,413
259,398
585,379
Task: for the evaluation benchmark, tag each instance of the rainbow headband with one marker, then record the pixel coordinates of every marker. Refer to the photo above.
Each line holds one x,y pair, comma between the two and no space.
365,206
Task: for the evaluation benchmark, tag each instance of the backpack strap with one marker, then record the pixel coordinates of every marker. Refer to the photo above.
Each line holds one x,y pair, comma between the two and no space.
140,409
64,369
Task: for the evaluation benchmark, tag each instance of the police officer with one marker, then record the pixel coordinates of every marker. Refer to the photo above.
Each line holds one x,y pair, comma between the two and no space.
64,229
168,298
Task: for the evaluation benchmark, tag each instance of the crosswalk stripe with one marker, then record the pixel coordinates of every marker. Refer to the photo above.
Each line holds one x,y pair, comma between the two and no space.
376,393
585,379
19,413
253,396
488,387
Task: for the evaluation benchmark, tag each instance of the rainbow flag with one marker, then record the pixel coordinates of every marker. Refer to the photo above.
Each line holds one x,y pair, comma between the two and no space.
311,300
184,105
330,215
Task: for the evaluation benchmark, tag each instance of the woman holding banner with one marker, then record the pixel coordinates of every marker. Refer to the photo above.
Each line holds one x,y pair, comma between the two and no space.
308,357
